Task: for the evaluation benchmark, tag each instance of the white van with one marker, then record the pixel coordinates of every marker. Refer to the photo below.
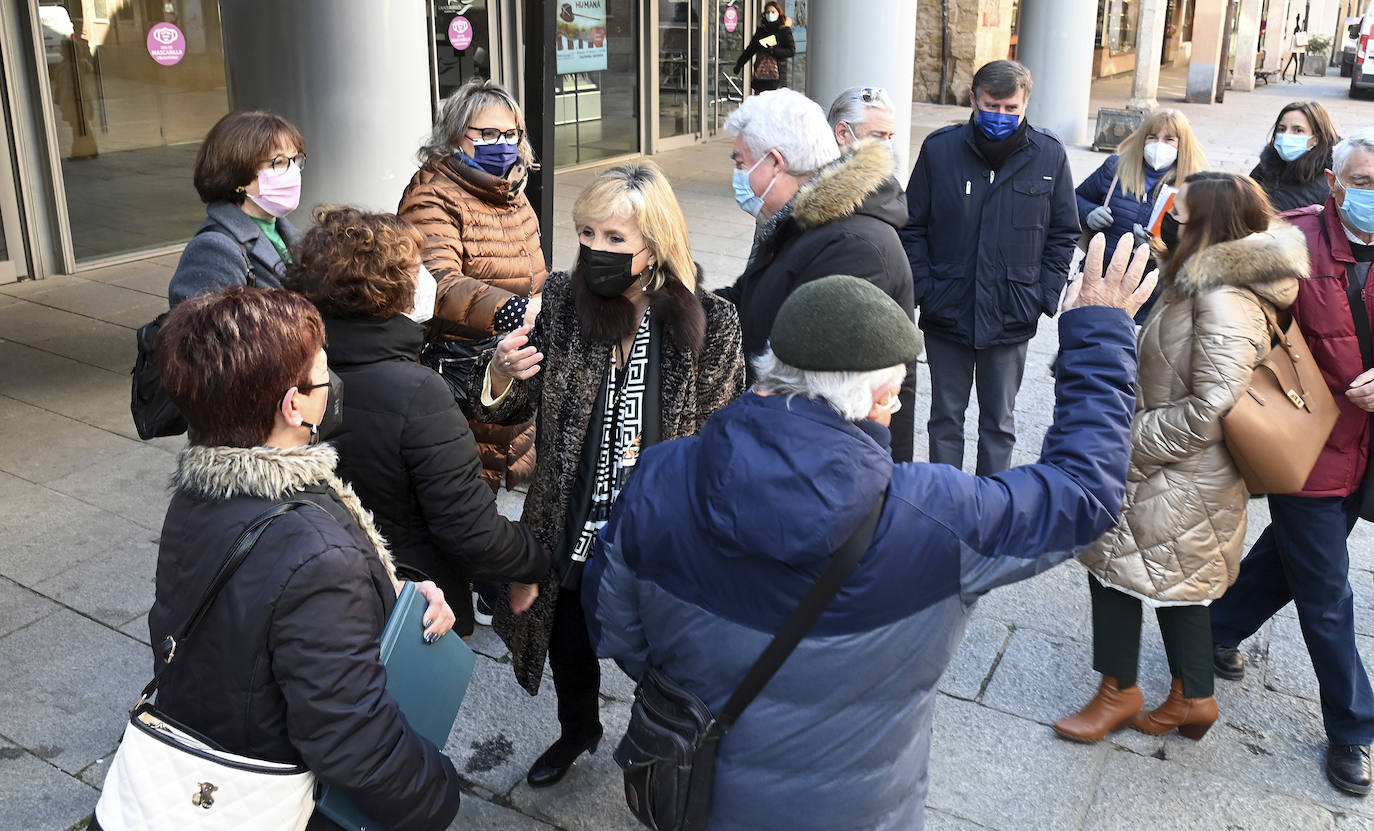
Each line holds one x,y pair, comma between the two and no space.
1362,73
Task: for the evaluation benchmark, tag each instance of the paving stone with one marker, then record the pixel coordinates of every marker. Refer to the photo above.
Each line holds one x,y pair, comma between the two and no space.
100,343
1150,793
36,795
999,771
940,821
19,607
137,628
69,685
79,391
133,485
1047,602
65,532
501,729
592,796
1289,666
983,643
68,445
113,586
475,814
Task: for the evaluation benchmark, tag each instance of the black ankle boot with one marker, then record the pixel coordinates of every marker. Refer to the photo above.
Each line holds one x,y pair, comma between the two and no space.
1228,663
1347,767
554,763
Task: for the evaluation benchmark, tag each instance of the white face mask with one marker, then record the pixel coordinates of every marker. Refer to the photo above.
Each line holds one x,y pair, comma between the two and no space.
771,17
426,291
1159,155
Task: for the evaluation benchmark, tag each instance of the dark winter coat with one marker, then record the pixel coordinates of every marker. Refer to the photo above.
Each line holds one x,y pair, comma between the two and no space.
785,48
1323,313
213,259
1127,209
844,220
716,539
406,448
286,665
482,246
1281,183
989,250
702,369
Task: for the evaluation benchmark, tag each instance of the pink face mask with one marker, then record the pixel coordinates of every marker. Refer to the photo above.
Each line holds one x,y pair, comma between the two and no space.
278,193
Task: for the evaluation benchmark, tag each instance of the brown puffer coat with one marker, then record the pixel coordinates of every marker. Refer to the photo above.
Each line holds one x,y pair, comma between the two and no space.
482,246
1182,528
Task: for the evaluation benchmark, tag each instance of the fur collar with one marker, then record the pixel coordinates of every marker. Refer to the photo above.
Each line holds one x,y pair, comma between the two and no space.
219,473
611,318
840,188
1268,263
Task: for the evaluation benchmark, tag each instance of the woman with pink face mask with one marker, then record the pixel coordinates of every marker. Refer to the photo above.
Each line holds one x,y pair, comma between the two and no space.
248,173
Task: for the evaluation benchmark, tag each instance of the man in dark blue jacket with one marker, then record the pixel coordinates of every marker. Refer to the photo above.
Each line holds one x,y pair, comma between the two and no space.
991,227
717,537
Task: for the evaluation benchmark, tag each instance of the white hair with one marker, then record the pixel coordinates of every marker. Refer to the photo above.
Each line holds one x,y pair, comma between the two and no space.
789,122
1359,140
848,393
852,105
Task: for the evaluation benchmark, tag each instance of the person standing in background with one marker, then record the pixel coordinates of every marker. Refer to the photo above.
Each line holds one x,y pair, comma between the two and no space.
770,47
1292,166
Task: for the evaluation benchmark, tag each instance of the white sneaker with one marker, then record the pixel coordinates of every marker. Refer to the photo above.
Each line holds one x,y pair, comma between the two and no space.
482,618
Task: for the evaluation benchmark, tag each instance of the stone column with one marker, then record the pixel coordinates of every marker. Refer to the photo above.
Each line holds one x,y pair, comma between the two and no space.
357,87
1149,48
1247,44
1056,42
1277,29
847,50
1209,20
978,31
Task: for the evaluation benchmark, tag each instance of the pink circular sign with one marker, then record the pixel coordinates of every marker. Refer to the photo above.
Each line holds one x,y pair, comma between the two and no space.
166,44
731,18
460,33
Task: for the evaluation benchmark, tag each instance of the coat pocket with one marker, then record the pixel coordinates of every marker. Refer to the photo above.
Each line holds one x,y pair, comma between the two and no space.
1030,213
1020,298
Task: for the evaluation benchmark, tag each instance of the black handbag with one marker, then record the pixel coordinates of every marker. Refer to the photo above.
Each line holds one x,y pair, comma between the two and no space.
456,361
153,412
669,750
1360,313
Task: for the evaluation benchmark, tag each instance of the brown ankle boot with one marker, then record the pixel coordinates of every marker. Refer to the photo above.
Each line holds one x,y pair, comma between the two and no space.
1110,710
1192,716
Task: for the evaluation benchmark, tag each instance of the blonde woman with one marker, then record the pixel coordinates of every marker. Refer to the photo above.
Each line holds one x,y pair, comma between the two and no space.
1119,196
627,352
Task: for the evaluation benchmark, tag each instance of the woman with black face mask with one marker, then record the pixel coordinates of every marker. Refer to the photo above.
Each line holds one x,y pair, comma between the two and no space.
627,352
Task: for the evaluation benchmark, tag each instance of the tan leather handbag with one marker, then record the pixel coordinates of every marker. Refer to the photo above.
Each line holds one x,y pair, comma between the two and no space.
1279,426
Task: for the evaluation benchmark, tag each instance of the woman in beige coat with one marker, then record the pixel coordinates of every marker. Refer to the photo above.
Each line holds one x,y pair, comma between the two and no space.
1180,540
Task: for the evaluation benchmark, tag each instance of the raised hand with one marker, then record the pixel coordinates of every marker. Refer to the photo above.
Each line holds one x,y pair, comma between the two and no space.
1118,285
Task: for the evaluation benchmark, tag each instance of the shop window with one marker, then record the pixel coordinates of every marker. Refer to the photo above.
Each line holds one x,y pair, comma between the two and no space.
596,90
1116,25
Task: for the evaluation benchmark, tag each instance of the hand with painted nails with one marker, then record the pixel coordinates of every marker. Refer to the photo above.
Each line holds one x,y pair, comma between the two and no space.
439,617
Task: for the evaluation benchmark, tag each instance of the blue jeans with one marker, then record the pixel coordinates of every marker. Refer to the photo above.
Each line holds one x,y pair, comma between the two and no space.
1302,557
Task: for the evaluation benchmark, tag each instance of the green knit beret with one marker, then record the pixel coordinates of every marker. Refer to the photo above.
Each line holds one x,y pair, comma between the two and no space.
843,324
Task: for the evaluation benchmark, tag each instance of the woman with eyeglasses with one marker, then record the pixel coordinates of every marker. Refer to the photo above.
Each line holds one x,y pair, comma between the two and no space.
481,244
248,173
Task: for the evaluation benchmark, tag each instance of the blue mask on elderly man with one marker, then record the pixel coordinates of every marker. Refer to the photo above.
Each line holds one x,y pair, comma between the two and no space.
1358,208
998,126
749,202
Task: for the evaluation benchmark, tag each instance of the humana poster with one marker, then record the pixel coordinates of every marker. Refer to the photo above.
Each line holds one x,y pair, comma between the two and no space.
581,36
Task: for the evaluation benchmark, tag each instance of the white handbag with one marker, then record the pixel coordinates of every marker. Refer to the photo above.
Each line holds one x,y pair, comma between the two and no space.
167,777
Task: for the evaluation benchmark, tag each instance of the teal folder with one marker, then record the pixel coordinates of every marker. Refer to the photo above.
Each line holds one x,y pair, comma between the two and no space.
428,681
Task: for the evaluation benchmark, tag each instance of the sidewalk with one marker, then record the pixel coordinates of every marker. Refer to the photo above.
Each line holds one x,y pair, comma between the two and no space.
83,501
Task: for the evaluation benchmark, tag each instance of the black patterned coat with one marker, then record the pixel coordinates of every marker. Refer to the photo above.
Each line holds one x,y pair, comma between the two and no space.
702,370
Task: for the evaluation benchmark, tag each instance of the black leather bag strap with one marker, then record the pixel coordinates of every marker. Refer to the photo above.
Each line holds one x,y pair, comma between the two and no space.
802,619
238,552
1360,313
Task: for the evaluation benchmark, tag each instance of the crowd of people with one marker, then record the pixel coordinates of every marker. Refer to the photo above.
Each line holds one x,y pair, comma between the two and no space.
694,459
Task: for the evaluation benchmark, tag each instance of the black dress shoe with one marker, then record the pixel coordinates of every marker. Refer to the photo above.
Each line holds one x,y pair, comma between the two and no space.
1347,767
1228,663
554,763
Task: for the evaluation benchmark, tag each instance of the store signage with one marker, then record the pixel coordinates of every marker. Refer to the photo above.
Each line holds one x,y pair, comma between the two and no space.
166,44
581,44
460,33
731,19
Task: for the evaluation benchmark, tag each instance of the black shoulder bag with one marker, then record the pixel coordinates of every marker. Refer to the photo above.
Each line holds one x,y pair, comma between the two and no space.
154,413
669,750
1355,293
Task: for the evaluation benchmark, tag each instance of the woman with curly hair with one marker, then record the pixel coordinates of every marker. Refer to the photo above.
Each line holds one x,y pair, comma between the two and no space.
404,443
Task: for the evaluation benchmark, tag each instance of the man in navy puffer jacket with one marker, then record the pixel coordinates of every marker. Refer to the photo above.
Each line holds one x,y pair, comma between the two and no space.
716,538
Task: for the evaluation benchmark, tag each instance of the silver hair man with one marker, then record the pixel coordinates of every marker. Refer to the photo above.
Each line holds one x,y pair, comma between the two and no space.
861,112
851,394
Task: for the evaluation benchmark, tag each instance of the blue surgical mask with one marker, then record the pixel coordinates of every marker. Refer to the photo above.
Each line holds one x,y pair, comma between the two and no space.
744,194
1290,146
496,158
998,126
1358,208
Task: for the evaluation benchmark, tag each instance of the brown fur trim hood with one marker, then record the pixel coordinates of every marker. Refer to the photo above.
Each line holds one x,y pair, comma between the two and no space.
842,187
1264,263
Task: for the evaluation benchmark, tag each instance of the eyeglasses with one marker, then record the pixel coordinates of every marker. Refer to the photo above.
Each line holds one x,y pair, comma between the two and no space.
490,135
280,163
311,387
870,95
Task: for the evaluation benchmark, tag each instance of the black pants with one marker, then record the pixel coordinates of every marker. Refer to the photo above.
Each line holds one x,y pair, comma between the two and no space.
576,673
1295,61
1186,630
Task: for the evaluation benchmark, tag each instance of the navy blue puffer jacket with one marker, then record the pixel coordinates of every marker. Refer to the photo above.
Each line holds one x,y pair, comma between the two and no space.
1127,209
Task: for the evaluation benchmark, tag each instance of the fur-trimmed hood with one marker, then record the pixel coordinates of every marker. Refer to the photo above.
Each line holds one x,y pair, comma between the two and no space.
1268,263
219,473
860,181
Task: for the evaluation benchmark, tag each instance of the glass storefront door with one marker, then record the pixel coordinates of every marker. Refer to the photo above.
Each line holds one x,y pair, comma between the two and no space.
134,86
462,43
729,35
12,264
679,67
596,90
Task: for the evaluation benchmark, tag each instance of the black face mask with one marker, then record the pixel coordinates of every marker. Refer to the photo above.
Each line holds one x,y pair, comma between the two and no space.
606,273
332,419
1168,231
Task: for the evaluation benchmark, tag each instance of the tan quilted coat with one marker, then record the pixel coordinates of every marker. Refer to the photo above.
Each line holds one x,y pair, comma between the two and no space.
482,246
1182,529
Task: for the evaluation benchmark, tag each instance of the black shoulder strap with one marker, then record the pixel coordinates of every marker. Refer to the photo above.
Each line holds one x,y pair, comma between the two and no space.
238,552
251,276
1360,312
801,620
